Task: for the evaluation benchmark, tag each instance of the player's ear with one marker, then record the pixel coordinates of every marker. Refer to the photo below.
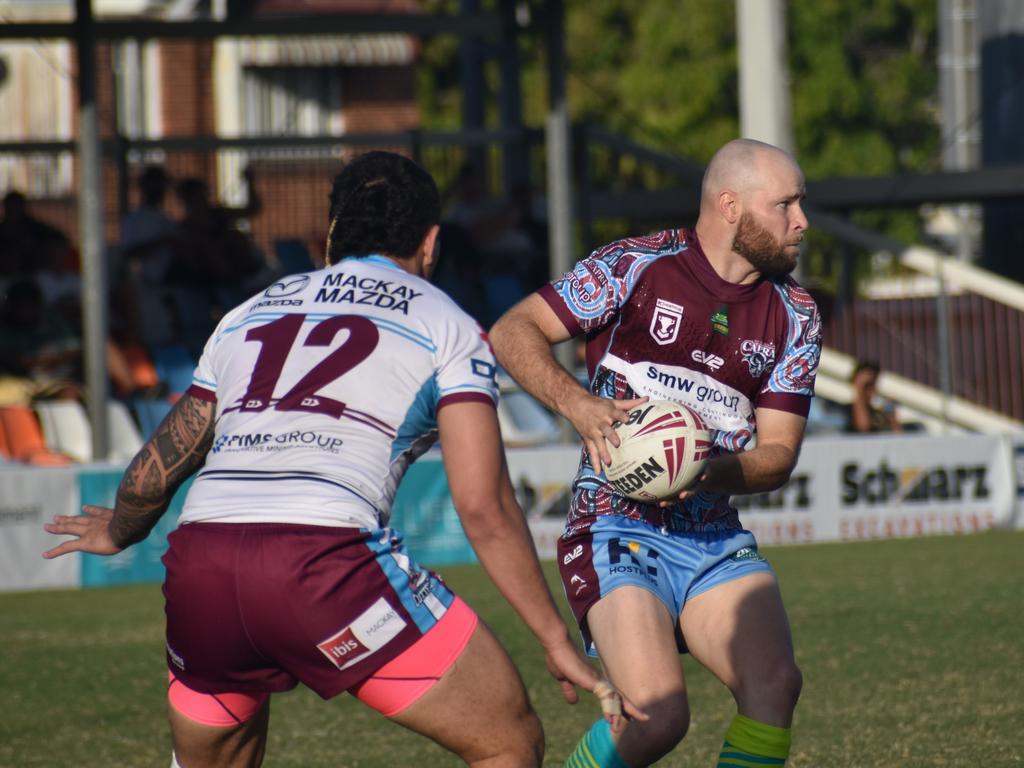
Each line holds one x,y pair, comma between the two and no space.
429,247
729,206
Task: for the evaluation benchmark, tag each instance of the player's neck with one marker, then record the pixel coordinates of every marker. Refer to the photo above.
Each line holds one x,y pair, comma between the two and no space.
728,265
414,265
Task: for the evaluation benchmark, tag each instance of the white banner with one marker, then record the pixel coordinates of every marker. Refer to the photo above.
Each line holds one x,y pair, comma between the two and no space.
542,479
29,497
887,486
843,488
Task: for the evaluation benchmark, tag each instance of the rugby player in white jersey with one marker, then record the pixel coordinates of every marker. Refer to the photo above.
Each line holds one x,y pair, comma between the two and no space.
308,404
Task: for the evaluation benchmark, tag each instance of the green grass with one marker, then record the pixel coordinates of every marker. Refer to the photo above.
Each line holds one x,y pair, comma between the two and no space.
912,653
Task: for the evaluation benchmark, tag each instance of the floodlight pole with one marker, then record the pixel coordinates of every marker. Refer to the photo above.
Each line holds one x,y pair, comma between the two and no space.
558,143
765,111
90,228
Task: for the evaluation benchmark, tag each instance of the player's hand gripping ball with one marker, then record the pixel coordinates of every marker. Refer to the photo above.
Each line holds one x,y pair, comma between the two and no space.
663,447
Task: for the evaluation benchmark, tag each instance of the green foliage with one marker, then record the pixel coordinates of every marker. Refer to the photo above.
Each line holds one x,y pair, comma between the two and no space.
664,74
910,651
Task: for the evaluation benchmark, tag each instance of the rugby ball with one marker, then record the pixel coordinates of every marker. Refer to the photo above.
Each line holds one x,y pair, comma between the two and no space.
663,447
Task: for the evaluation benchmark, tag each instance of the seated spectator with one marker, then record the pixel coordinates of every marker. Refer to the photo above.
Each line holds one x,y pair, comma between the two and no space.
39,352
23,238
867,411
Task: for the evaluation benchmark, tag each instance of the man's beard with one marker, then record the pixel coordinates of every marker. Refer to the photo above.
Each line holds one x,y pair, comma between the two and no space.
758,246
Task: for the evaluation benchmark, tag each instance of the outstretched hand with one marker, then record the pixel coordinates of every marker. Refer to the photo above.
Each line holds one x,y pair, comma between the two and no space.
594,418
568,666
91,530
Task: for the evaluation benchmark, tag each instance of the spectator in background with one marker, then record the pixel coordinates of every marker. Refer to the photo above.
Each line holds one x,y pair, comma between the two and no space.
217,248
25,241
149,244
503,231
217,265
867,412
41,351
148,234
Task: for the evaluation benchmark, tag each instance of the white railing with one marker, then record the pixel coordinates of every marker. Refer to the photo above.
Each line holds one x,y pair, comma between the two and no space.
914,401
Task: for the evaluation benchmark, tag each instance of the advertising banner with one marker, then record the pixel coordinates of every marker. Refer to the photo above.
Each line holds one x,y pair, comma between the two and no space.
1017,447
542,478
842,489
887,486
423,512
29,497
140,562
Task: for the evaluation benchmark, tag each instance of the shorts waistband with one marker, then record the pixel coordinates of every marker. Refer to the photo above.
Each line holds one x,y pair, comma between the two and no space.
670,520
274,529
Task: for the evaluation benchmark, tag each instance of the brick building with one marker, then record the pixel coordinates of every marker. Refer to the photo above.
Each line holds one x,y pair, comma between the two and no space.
314,86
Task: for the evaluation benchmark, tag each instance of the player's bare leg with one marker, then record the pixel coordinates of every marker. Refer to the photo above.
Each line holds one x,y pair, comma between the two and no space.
479,709
205,746
740,632
635,638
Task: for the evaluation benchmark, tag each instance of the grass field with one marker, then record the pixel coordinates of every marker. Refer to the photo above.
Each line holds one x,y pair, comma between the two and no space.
912,653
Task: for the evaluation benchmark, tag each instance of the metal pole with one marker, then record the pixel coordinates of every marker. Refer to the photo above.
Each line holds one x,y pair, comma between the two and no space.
764,72
90,227
942,341
471,76
515,169
558,143
765,112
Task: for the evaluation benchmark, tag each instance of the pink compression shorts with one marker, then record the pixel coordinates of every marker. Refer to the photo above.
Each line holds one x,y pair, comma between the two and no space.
391,689
401,681
220,710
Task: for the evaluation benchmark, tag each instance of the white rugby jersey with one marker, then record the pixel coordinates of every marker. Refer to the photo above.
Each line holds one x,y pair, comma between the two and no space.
327,387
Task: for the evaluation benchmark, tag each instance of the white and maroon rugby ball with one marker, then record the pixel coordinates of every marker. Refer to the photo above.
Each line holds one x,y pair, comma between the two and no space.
663,447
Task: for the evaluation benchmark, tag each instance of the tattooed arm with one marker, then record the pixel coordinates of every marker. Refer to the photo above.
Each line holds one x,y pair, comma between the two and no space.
176,450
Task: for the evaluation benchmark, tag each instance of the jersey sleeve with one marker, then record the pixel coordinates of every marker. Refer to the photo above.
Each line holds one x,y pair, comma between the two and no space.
204,381
790,385
204,378
589,296
466,368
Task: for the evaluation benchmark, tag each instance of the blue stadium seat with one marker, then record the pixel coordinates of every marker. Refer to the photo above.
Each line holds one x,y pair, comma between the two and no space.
174,365
293,256
149,413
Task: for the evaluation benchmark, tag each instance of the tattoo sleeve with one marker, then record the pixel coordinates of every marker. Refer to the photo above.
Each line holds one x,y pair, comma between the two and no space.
176,450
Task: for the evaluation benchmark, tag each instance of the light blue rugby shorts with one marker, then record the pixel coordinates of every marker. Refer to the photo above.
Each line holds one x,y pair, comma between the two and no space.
617,552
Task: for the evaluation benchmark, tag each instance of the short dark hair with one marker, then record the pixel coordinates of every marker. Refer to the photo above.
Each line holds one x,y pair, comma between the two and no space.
866,365
381,202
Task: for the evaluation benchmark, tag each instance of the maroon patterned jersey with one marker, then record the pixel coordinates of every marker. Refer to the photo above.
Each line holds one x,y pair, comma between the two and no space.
660,322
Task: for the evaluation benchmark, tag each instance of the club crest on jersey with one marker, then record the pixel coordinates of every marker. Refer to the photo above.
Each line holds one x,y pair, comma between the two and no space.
758,355
666,321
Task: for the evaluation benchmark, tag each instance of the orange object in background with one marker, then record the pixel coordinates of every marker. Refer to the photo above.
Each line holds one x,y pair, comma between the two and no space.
22,438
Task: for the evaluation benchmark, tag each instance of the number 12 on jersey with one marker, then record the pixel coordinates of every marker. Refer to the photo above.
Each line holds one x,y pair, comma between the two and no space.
277,338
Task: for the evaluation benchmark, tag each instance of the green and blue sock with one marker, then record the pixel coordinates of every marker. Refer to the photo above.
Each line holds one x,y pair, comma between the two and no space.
596,749
750,744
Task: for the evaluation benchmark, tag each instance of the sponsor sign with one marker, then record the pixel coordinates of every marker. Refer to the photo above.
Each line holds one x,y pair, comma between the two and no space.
30,497
372,630
140,562
341,288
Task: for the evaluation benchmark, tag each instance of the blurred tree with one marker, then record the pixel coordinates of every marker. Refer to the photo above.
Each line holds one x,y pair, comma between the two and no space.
664,74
